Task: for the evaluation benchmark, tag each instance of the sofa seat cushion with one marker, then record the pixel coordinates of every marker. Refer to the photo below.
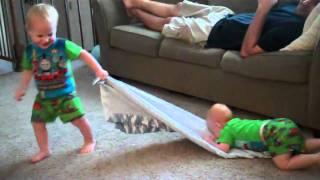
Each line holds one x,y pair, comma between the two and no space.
278,66
136,38
181,51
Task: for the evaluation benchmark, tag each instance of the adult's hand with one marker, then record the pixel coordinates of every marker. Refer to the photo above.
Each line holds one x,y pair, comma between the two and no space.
250,42
267,3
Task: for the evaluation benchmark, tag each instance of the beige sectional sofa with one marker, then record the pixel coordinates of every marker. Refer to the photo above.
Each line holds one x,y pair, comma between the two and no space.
276,84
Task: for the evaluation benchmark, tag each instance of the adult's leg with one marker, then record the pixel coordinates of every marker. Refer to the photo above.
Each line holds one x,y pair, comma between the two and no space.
301,161
153,7
89,143
41,134
312,145
151,21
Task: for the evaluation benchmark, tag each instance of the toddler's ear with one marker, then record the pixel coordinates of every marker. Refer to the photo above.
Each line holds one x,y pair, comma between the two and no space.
29,32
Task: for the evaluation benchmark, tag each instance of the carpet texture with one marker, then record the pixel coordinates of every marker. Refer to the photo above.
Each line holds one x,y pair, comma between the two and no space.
118,155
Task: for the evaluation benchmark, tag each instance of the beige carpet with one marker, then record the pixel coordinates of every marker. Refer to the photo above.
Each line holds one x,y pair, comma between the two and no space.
5,66
117,156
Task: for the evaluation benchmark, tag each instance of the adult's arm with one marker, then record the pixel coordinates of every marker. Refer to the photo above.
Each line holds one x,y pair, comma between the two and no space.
250,42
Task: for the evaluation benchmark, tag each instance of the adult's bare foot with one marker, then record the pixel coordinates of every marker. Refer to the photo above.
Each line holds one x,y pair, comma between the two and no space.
129,12
177,9
41,155
87,148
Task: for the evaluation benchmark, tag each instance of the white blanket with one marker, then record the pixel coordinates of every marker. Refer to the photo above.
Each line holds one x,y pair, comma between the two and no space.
131,100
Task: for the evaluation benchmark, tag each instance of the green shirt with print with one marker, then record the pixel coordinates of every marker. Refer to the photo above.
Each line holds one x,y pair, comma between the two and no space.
52,67
242,133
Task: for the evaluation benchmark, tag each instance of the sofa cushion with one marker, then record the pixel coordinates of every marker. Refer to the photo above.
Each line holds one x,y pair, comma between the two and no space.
136,38
279,66
245,6
310,35
181,51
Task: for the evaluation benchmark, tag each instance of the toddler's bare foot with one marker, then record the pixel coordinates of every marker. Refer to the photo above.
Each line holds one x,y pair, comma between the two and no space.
87,148
41,155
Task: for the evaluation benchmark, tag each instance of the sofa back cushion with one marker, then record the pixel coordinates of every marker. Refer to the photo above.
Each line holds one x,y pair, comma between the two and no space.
136,38
311,33
191,54
241,6
176,1
169,1
236,5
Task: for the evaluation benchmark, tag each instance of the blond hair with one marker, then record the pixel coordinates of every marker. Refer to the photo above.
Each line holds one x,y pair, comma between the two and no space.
222,108
45,11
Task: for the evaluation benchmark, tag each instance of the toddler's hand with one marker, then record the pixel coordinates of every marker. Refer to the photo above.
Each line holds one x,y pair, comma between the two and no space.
20,92
208,137
102,74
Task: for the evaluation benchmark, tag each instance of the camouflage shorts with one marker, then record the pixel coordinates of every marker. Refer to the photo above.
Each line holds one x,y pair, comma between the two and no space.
283,136
67,108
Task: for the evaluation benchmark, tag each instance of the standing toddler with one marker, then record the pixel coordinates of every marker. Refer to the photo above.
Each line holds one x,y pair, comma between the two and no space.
48,60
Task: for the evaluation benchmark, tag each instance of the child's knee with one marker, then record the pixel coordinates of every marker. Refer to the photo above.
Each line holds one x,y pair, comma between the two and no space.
282,161
283,166
78,121
38,124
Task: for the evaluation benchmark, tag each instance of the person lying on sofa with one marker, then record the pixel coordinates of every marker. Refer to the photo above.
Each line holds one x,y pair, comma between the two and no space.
270,28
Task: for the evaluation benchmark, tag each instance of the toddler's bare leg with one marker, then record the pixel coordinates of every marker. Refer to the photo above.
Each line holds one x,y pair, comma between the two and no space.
155,8
41,134
301,161
152,22
89,143
312,145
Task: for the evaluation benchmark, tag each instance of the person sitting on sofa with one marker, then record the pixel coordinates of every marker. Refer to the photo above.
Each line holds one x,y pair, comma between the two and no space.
270,28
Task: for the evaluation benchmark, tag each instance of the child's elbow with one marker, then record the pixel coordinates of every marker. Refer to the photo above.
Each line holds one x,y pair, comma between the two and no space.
226,150
224,147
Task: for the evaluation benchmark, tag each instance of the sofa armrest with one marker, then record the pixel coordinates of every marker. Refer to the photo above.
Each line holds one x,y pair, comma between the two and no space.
314,89
106,15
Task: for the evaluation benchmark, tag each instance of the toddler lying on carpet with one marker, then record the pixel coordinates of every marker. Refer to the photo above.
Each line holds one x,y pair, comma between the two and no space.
281,137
